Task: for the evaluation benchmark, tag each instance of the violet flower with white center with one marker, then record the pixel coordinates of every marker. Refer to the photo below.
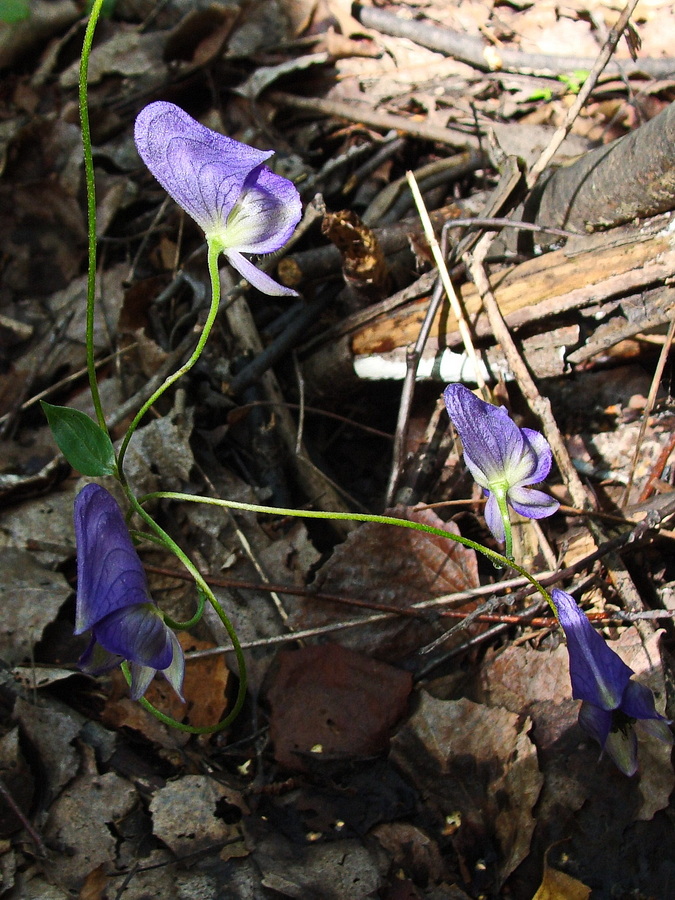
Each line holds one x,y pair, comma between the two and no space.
241,205
502,458
113,600
612,701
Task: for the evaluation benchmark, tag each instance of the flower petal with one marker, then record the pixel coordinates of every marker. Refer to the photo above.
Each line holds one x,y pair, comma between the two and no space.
542,454
657,728
493,517
595,721
175,673
621,746
202,170
141,676
95,660
139,634
597,673
259,279
530,503
110,576
265,216
638,702
491,440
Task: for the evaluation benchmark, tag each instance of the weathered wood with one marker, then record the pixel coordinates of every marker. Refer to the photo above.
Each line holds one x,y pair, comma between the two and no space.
590,271
633,177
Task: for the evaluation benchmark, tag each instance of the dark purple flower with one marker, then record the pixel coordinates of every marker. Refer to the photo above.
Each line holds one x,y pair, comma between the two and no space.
242,206
113,601
502,458
612,702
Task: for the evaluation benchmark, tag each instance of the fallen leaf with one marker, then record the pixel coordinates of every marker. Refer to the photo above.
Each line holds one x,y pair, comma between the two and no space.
556,885
30,597
79,824
397,567
334,703
478,764
187,815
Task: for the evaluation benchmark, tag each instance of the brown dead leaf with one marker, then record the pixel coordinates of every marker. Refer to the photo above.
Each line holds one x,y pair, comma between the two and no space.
30,597
18,780
79,824
94,885
204,688
187,815
341,870
479,765
333,702
51,734
415,852
394,566
200,35
556,885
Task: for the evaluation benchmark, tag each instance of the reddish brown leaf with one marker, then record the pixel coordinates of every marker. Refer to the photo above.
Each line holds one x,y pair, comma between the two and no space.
397,567
333,702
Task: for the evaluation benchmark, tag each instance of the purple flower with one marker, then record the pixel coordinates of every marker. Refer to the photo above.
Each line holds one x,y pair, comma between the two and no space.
241,205
612,702
113,601
502,458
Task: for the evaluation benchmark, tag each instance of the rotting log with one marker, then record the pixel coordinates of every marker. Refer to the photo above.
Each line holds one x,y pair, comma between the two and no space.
608,272
633,177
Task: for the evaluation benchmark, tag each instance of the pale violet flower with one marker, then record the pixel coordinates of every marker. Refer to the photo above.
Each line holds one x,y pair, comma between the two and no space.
241,205
502,458
113,602
612,701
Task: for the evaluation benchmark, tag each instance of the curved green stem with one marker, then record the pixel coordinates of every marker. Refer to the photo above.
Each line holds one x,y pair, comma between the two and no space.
500,497
201,599
91,208
213,253
492,555
174,723
205,592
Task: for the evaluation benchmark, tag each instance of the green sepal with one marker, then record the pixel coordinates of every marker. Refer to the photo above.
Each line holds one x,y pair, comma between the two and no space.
85,445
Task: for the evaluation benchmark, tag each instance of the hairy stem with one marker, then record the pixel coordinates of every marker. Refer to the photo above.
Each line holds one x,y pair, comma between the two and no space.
213,253
91,208
497,558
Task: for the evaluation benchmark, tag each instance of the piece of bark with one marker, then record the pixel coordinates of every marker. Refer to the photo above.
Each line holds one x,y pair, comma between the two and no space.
633,177
590,271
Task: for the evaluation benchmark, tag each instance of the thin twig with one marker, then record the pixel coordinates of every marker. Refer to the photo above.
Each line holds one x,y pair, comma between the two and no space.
475,51
439,259
561,133
414,354
651,400
21,816
373,119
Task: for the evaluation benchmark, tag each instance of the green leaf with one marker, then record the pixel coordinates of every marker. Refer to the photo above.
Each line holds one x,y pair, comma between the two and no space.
12,11
85,445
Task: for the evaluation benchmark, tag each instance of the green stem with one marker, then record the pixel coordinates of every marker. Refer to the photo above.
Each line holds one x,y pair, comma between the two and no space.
201,599
500,497
205,591
213,253
91,208
492,555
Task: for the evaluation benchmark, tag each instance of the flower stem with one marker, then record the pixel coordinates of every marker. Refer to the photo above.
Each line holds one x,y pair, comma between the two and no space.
91,208
492,555
500,497
205,592
213,253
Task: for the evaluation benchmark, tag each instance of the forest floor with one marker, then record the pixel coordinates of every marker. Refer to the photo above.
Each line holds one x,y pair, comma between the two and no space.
409,730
